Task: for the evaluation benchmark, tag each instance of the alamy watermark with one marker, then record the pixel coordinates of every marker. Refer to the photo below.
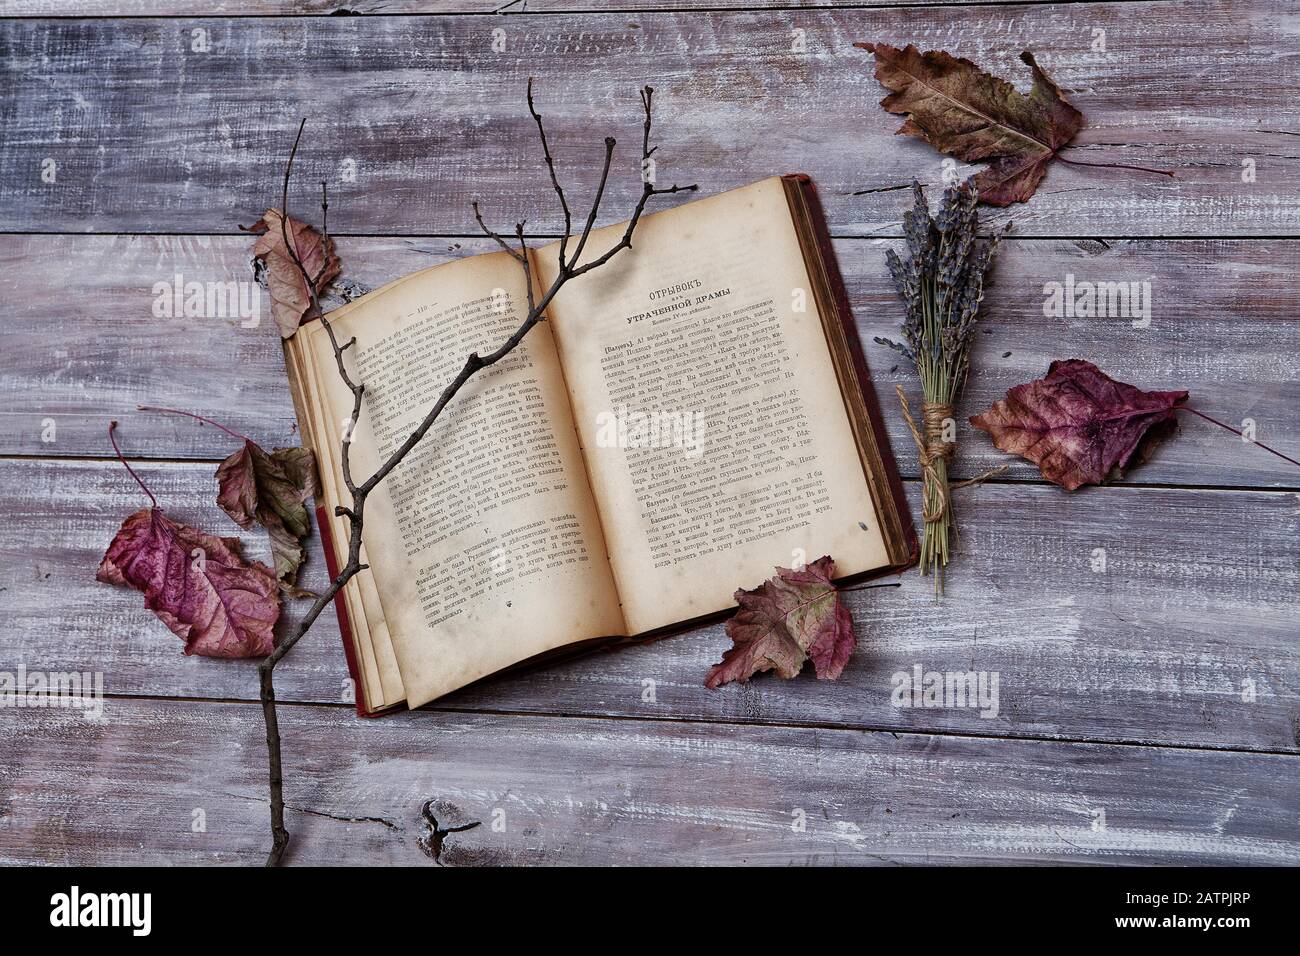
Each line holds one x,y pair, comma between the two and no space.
659,429
133,911
72,690
1103,300
230,298
946,689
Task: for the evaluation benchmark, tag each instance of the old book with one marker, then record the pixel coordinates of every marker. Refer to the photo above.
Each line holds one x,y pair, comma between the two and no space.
691,415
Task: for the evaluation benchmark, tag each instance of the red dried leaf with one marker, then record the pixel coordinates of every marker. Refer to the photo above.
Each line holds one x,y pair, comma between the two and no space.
964,112
198,584
1078,425
290,293
790,618
271,490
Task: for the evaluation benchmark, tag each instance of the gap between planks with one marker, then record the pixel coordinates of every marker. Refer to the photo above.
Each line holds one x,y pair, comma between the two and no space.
1018,482
433,709
518,9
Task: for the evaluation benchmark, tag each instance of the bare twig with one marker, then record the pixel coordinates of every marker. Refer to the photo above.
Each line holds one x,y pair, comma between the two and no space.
569,268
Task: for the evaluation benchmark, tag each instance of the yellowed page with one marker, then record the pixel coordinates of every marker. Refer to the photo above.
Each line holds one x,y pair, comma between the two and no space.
383,680
708,408
314,431
484,543
377,671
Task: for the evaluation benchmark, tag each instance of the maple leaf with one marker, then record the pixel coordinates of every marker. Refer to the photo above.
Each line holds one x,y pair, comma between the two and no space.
290,293
198,584
790,618
271,490
964,112
1079,425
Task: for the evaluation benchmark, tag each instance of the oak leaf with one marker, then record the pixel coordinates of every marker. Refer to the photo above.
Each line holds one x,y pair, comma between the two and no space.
198,584
290,292
1079,425
254,487
790,618
966,113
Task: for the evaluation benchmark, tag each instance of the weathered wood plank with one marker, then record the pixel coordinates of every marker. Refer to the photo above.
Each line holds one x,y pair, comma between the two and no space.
100,351
575,791
283,8
149,134
247,8
1194,615
1221,325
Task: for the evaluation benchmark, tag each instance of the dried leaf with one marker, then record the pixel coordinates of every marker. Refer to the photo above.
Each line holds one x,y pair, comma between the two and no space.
271,490
1078,425
964,112
290,293
790,618
198,584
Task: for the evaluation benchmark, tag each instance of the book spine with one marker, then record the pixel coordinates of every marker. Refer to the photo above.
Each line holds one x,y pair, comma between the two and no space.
861,371
322,523
341,609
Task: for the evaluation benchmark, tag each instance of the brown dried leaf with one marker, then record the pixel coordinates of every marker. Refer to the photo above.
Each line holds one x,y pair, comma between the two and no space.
964,112
790,618
290,293
271,490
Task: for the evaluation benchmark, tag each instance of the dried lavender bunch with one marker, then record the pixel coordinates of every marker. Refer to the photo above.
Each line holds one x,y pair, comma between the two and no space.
942,285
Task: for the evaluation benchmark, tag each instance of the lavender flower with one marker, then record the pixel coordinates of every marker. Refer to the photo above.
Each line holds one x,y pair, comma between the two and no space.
941,285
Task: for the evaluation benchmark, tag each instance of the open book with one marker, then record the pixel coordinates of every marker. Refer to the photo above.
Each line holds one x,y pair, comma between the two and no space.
691,415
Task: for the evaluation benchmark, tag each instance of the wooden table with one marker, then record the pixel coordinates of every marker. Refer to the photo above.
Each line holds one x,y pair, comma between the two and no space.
1149,712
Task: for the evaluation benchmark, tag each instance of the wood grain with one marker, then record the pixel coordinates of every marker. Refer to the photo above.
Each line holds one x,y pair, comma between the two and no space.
1194,613
149,135
282,8
1222,325
1147,711
571,791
